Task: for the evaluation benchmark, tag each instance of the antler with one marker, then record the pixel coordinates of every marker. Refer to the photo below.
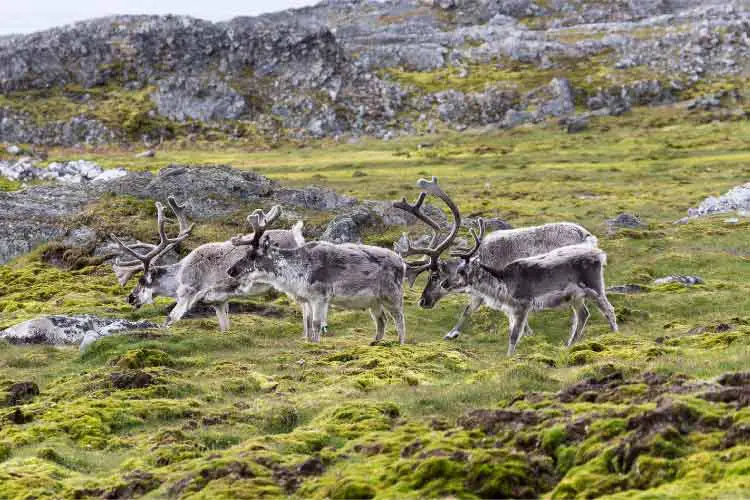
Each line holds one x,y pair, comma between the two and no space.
138,244
477,242
433,188
179,212
165,243
259,221
434,250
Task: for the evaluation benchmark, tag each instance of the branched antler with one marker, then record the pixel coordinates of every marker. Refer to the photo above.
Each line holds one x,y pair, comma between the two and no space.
477,242
259,221
165,243
433,251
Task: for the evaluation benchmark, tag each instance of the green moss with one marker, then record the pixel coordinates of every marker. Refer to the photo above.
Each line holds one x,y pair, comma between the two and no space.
552,438
353,489
142,358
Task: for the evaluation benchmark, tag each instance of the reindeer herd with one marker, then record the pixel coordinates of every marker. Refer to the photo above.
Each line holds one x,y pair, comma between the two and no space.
515,271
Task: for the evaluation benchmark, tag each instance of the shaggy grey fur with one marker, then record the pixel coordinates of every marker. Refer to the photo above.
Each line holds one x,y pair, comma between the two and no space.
318,274
201,276
564,276
497,250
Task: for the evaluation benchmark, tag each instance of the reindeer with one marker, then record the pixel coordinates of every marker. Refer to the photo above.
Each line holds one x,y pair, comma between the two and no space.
318,274
564,276
200,276
497,250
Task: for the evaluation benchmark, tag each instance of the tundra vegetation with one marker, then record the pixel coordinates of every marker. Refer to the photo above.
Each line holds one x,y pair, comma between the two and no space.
192,412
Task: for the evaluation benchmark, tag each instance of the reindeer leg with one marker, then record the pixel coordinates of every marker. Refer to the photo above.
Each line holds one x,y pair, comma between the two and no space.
306,319
319,310
186,299
474,303
395,307
517,319
580,317
324,319
527,331
583,318
225,312
380,319
398,318
604,306
219,316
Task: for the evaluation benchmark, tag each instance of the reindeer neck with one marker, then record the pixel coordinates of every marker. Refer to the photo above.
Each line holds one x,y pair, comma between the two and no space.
484,282
167,282
290,266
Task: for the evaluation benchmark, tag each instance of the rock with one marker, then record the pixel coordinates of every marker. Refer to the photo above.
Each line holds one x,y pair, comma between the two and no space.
625,220
71,172
22,170
111,174
131,379
640,93
13,150
684,280
61,330
553,100
149,153
490,224
81,237
183,97
313,198
18,127
38,214
21,393
627,289
736,199
347,228
706,102
575,124
35,215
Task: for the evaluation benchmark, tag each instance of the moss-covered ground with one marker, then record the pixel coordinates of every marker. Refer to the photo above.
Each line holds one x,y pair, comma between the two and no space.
190,412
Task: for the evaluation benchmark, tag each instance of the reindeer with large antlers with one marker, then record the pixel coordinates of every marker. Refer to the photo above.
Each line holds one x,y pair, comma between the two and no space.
318,274
200,276
496,251
564,276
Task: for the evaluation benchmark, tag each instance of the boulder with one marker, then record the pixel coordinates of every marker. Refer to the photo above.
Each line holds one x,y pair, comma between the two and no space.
736,199
678,278
625,220
66,330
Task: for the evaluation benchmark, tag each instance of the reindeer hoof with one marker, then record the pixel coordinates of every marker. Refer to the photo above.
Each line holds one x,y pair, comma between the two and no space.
453,334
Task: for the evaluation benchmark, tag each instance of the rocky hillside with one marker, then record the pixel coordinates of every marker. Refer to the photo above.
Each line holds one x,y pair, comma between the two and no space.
364,67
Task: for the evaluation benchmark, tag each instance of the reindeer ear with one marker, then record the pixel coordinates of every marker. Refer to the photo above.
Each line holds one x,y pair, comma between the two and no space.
124,273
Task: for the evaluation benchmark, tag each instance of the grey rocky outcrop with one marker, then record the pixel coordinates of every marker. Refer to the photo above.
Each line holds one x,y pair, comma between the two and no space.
736,199
70,172
325,70
67,330
42,213
205,99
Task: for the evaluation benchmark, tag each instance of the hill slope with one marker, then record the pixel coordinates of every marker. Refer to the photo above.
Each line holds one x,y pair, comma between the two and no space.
364,67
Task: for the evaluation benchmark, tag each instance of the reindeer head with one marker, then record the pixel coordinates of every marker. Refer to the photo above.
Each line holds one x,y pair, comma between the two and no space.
259,256
149,284
453,273
443,274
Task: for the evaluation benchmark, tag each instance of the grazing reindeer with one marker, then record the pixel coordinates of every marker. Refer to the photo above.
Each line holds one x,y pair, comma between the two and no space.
496,251
566,275
200,276
318,274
